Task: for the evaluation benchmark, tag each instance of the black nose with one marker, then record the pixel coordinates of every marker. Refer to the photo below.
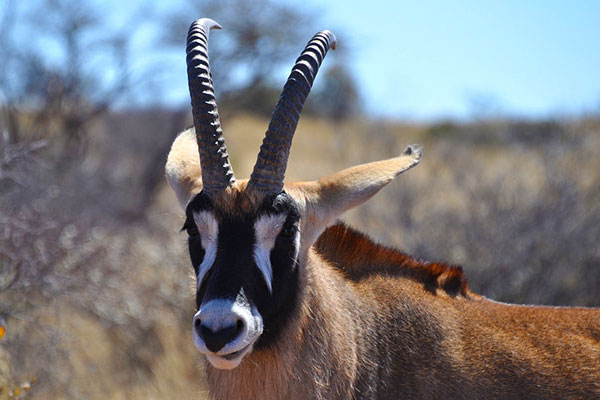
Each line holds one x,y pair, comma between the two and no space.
215,340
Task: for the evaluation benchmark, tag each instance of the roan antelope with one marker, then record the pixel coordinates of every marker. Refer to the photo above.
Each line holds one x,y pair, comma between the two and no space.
294,305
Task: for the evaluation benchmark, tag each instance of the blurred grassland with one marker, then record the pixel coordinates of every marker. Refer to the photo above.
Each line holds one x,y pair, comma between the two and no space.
107,313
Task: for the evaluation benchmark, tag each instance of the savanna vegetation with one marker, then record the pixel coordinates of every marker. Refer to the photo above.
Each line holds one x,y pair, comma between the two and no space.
96,290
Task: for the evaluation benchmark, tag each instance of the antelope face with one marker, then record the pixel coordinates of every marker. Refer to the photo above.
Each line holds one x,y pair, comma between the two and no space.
247,239
247,273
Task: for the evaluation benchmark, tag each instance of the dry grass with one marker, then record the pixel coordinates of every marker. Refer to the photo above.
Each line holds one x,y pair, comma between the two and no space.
108,315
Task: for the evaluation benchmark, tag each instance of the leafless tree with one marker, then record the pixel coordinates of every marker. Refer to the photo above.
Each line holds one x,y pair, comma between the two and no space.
62,69
252,52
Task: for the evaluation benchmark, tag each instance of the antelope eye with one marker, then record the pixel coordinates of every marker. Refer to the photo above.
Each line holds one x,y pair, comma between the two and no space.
288,231
191,230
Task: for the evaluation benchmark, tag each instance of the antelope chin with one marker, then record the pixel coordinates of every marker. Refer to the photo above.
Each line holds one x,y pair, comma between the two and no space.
228,361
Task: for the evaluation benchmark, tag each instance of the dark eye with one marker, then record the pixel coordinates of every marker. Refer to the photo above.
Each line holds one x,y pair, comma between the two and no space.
288,231
191,229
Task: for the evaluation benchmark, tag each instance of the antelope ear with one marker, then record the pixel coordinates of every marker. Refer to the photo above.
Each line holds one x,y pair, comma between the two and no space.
183,167
326,199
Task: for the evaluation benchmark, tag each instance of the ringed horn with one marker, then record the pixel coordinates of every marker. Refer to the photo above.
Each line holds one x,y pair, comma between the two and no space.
269,170
217,174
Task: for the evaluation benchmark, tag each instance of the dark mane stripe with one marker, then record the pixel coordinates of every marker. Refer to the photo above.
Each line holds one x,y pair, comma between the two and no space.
358,257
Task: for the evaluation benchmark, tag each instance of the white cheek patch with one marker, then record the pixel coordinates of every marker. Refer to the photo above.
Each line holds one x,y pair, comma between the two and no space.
266,229
208,228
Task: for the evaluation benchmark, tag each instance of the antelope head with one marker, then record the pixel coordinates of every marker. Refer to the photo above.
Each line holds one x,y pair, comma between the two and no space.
249,239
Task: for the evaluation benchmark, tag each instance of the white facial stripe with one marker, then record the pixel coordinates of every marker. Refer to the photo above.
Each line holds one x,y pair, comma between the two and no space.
297,245
266,229
262,258
208,228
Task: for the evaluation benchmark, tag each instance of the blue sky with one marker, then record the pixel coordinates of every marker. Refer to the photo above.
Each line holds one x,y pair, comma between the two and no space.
431,60
437,59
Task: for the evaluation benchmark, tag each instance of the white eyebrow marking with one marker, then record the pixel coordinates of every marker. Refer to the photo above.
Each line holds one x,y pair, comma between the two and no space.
208,228
266,229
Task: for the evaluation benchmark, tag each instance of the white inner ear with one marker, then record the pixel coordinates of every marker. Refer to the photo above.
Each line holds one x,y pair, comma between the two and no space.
266,229
208,228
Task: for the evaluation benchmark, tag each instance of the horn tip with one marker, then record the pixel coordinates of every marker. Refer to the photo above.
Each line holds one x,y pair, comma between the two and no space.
208,23
332,39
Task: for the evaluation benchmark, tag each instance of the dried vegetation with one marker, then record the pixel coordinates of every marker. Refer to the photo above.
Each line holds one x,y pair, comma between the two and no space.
95,285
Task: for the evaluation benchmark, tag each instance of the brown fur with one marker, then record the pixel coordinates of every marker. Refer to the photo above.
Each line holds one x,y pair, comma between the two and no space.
375,334
312,359
374,323
358,257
